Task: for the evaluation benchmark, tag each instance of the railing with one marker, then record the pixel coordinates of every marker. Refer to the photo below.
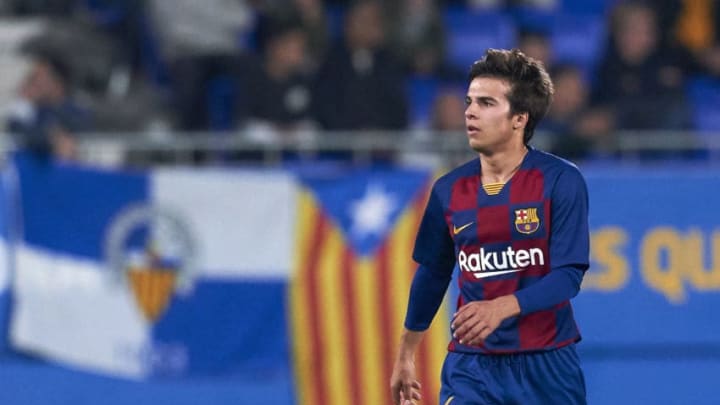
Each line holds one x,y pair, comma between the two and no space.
431,148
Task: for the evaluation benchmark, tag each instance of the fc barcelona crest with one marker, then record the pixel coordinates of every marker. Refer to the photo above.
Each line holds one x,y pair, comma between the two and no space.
526,220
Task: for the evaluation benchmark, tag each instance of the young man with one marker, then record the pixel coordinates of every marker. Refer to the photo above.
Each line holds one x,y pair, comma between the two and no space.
515,223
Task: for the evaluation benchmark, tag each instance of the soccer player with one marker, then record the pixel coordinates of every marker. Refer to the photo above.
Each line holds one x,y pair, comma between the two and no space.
514,221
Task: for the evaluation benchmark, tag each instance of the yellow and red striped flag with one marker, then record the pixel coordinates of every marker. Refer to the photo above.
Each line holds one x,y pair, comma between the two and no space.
348,309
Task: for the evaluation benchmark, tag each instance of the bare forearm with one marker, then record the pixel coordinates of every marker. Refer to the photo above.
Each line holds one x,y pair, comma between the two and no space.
409,343
508,306
404,385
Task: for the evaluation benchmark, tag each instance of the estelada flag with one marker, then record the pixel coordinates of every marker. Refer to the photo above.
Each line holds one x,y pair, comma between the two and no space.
350,286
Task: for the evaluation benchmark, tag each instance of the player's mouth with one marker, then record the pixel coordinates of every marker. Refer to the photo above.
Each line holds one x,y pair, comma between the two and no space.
471,129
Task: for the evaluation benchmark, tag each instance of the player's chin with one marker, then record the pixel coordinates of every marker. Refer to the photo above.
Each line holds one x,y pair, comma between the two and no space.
476,145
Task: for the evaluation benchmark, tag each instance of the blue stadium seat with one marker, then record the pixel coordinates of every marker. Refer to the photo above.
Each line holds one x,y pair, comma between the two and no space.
704,96
152,61
221,102
578,39
335,15
421,92
533,19
105,13
247,39
471,32
587,7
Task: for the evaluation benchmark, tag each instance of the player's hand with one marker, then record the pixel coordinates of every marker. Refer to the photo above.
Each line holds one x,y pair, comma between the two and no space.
405,388
476,320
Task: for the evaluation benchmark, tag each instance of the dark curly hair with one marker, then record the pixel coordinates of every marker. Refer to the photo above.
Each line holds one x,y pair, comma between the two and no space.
531,89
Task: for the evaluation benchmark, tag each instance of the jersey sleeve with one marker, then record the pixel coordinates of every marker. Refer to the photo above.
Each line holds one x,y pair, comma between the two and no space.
569,247
569,233
426,294
434,247
435,252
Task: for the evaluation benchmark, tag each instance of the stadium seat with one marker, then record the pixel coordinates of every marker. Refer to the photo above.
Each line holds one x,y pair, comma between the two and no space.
704,96
471,32
151,59
336,20
421,92
587,7
578,39
247,39
533,19
105,13
221,102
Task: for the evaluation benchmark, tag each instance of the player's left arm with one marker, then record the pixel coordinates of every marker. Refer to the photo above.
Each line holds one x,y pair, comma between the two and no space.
569,247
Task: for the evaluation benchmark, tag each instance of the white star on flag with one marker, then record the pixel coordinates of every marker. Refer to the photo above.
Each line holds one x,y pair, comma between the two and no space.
371,214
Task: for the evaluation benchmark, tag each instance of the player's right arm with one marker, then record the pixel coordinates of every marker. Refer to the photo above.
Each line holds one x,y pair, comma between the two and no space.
434,251
426,295
404,384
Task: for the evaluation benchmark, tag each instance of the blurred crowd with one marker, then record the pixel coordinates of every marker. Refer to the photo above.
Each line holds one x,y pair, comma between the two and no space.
277,69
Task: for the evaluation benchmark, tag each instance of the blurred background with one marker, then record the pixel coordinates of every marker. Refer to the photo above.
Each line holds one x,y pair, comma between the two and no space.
214,202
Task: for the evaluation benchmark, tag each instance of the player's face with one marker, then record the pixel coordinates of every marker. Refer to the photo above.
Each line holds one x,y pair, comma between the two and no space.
488,121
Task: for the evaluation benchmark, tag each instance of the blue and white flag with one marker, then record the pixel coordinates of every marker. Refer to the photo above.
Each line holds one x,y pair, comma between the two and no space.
8,183
169,272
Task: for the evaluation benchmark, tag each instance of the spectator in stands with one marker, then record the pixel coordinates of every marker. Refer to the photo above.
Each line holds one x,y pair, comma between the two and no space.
638,79
447,118
45,119
448,112
316,26
695,30
592,136
277,93
313,20
536,44
123,21
417,37
360,85
570,99
574,126
200,41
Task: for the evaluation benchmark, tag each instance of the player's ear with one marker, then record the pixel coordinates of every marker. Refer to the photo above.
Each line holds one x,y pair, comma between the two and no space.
520,120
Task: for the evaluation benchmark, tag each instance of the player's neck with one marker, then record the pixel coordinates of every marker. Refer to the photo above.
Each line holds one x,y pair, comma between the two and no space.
500,166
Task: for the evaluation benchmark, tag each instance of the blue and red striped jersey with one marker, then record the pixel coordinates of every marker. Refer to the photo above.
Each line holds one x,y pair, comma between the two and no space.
505,242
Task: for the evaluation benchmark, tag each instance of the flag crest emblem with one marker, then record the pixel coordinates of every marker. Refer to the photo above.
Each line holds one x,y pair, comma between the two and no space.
151,251
152,289
527,220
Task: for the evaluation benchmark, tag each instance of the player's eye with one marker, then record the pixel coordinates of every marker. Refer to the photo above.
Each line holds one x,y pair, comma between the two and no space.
468,101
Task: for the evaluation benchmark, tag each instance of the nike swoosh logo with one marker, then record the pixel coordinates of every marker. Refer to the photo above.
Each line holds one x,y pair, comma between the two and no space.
494,273
457,230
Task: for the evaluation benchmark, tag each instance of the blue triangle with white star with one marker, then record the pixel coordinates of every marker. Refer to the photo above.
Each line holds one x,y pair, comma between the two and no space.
366,203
